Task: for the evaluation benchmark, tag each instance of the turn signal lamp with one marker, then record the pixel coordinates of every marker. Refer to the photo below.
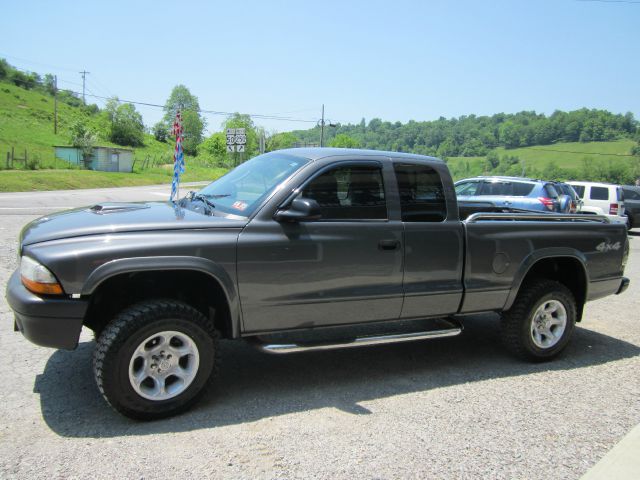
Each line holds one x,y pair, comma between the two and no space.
38,279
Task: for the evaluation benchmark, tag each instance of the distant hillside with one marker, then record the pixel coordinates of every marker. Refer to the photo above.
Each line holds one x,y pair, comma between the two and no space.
471,135
585,144
608,161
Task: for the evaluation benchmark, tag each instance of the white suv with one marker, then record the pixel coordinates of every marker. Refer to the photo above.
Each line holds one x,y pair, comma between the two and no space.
601,199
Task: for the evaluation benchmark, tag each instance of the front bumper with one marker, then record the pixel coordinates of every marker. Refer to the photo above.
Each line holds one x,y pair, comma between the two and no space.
46,321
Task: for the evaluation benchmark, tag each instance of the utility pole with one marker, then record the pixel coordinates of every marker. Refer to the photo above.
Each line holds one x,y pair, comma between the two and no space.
322,128
321,123
55,104
84,74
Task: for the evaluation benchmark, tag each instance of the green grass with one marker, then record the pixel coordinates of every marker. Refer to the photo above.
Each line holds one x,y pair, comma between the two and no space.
568,156
571,155
34,180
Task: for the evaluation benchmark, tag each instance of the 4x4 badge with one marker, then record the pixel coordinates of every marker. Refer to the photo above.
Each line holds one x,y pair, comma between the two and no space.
607,247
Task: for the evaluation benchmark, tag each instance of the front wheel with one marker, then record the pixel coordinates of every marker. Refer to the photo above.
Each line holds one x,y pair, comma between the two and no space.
155,358
540,323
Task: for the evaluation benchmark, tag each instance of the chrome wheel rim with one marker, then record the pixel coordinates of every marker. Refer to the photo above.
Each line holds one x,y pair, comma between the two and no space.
548,324
164,365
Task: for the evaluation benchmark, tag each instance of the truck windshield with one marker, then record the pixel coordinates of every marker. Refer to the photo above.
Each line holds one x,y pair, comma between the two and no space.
242,190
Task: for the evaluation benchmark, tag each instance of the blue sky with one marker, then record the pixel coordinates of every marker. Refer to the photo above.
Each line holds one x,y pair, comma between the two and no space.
395,60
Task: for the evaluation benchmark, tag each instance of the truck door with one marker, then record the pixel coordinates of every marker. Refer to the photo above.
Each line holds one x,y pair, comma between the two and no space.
344,268
433,239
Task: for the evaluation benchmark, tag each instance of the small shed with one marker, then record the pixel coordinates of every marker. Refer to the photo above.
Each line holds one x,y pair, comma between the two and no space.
104,159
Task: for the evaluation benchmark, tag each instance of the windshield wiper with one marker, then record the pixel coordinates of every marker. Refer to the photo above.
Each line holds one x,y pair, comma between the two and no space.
203,198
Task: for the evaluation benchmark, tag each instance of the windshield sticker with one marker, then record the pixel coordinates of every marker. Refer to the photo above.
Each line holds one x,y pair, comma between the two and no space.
239,205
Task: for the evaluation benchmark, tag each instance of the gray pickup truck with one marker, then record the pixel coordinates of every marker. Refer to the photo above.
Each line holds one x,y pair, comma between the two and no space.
298,250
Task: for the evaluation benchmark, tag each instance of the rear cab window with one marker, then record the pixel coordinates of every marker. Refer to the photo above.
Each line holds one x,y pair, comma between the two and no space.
421,193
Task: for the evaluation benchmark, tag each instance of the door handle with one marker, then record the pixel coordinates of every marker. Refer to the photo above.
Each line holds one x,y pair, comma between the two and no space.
388,244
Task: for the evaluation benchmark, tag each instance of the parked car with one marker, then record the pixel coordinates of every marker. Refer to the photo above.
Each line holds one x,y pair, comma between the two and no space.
601,199
632,205
513,192
301,250
575,202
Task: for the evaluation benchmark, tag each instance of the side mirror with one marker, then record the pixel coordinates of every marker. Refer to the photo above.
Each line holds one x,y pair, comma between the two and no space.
300,209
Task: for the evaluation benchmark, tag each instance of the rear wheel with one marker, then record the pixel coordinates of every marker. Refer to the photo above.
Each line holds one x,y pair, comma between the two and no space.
540,323
155,359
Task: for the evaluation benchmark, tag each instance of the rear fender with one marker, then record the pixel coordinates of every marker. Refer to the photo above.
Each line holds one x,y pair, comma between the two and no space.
545,254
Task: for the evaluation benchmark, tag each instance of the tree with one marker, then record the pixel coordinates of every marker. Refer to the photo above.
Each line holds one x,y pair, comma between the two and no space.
83,137
278,141
126,127
193,124
493,159
343,140
160,132
48,84
510,134
5,68
215,145
24,80
448,148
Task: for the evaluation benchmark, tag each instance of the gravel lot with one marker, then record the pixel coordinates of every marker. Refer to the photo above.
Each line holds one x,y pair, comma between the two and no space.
449,408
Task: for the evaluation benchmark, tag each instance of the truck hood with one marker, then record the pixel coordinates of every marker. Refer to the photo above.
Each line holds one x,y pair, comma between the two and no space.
121,217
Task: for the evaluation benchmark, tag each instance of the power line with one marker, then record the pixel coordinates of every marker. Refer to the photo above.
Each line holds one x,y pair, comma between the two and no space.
583,153
32,62
101,86
70,83
609,1
147,104
209,112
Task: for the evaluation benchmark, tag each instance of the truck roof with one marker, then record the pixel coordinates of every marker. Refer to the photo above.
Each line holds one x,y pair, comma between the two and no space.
316,153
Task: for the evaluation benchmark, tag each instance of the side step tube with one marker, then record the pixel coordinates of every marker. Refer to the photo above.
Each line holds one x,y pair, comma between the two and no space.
359,341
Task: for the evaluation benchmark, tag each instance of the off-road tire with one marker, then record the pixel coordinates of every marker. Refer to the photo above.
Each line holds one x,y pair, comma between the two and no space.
120,338
517,322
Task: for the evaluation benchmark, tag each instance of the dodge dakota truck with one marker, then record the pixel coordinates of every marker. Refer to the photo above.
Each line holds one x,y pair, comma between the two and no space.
299,250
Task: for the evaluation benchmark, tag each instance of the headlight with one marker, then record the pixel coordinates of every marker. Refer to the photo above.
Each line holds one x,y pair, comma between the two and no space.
38,278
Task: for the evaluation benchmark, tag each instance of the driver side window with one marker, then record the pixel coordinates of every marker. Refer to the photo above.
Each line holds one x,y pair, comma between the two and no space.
349,193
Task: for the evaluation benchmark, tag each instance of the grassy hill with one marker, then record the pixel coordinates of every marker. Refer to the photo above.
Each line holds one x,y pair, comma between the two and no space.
570,158
26,123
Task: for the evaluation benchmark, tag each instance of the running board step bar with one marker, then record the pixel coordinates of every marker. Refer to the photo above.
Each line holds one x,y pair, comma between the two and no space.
279,348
